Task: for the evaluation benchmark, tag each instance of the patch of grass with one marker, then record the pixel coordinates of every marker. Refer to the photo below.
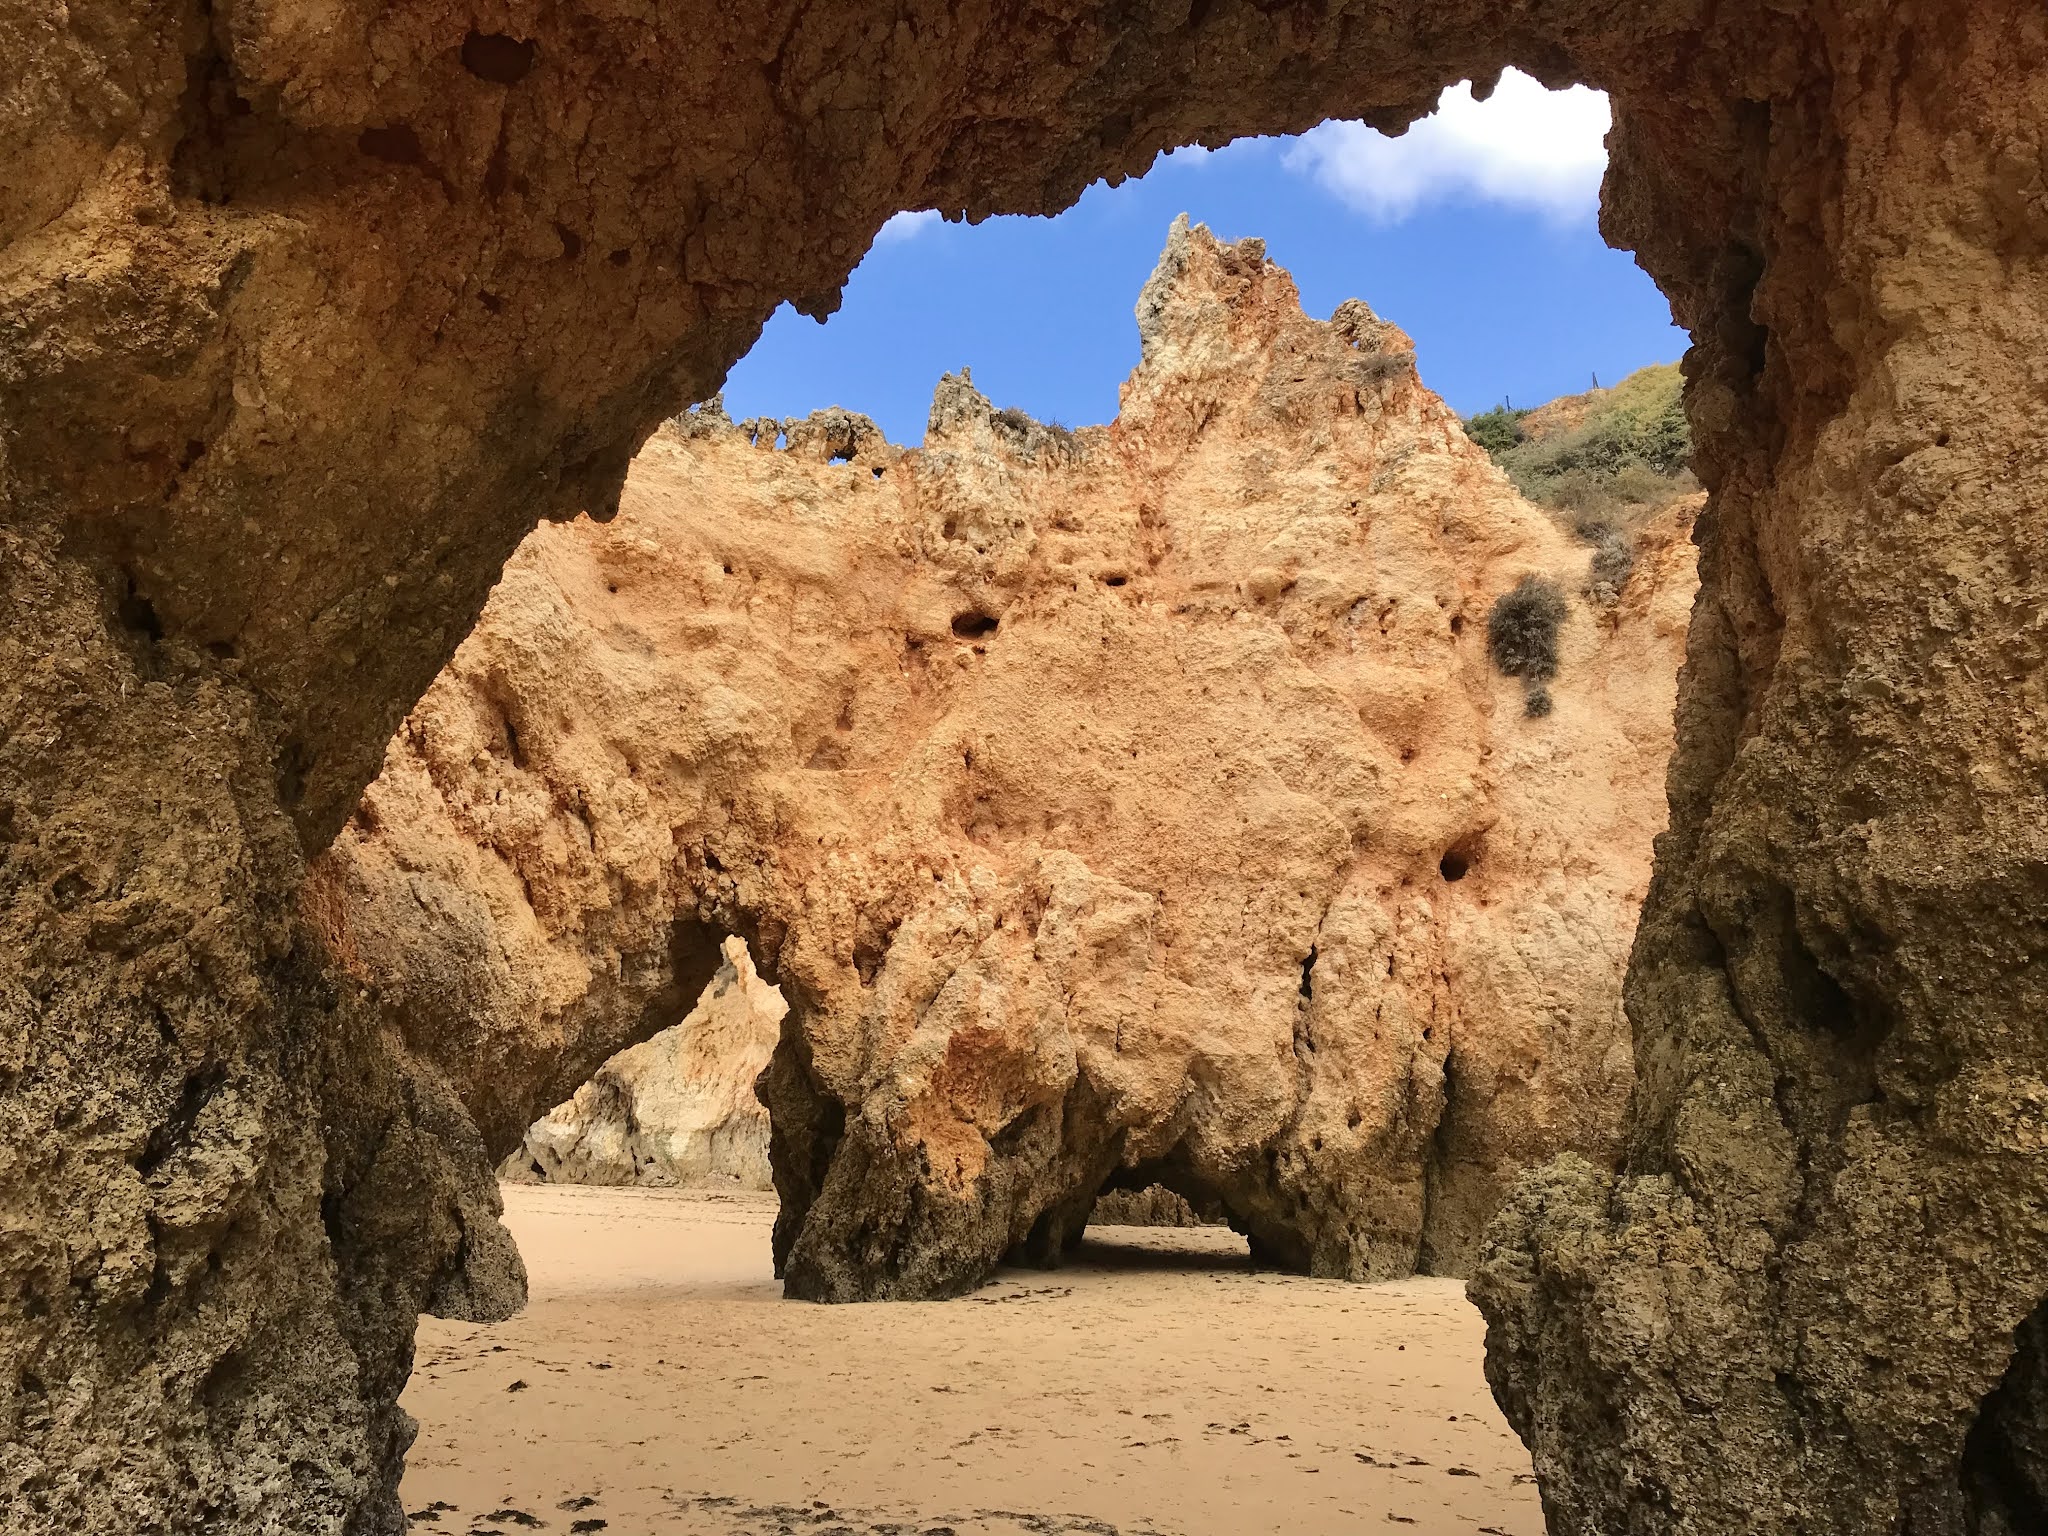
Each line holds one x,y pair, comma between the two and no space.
1036,439
1600,463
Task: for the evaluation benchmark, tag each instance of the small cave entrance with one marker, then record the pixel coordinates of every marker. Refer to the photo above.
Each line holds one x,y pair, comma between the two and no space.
2004,1471
676,1110
1158,1217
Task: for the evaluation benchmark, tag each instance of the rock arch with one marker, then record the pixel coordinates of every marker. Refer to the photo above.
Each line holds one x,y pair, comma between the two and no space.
311,312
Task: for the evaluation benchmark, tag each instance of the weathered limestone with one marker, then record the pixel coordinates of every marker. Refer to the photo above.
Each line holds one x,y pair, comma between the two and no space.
307,313
1130,805
677,1109
224,1177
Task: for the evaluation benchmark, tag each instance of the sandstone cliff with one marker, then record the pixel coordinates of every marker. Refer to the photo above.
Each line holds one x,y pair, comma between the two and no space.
1130,805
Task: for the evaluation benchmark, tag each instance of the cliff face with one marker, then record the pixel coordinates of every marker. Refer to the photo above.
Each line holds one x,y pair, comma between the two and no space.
677,1109
1126,805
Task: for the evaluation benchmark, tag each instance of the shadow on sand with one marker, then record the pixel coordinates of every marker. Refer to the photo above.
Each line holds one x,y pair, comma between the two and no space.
1158,1253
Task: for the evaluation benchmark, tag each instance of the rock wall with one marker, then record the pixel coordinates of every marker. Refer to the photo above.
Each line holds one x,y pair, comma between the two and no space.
307,313
1809,1303
1132,805
677,1109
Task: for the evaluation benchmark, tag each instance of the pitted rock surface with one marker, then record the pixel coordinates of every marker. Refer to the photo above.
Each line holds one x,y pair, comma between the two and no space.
1125,806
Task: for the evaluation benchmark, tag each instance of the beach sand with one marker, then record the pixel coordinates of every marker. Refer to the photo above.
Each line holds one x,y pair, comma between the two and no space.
1157,1386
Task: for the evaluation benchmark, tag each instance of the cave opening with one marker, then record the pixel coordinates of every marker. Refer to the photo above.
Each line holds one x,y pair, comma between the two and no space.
550,819
676,1109
2004,1471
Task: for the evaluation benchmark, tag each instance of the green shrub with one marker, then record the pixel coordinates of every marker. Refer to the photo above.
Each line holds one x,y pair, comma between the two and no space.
1614,551
1614,560
1631,448
1496,430
1521,631
1639,484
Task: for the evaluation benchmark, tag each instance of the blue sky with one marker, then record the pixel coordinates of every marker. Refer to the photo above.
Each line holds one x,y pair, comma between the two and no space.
1475,232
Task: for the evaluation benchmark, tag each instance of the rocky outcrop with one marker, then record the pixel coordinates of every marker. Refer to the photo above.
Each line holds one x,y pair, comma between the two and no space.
307,313
1116,807
677,1109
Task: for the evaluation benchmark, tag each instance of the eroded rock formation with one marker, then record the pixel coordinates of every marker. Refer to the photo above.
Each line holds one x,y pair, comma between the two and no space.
1125,805
677,1109
308,312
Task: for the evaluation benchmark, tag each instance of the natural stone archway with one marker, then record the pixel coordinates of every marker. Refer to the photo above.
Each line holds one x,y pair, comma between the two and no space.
676,1109
307,313
1138,802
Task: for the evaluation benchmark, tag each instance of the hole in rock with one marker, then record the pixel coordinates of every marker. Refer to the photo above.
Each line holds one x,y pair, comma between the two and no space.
1453,865
972,625
138,614
2004,1470
1137,1224
677,1108
495,57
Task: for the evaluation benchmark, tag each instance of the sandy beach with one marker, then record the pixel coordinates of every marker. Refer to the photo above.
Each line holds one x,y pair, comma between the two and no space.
658,1383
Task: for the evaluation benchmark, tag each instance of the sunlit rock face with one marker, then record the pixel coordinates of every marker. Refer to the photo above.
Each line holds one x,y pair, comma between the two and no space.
308,313
676,1110
1133,805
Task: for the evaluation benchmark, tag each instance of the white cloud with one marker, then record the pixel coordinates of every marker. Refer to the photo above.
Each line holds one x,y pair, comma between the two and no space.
1524,147
906,225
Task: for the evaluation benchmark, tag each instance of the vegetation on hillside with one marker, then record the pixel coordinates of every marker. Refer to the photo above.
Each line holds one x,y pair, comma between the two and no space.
1521,637
1601,462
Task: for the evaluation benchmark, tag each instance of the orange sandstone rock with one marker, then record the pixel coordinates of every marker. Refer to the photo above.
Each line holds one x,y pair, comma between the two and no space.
677,1109
1129,805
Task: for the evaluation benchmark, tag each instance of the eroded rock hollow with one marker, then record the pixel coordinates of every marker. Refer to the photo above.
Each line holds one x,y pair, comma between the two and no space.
678,1109
1131,805
308,313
